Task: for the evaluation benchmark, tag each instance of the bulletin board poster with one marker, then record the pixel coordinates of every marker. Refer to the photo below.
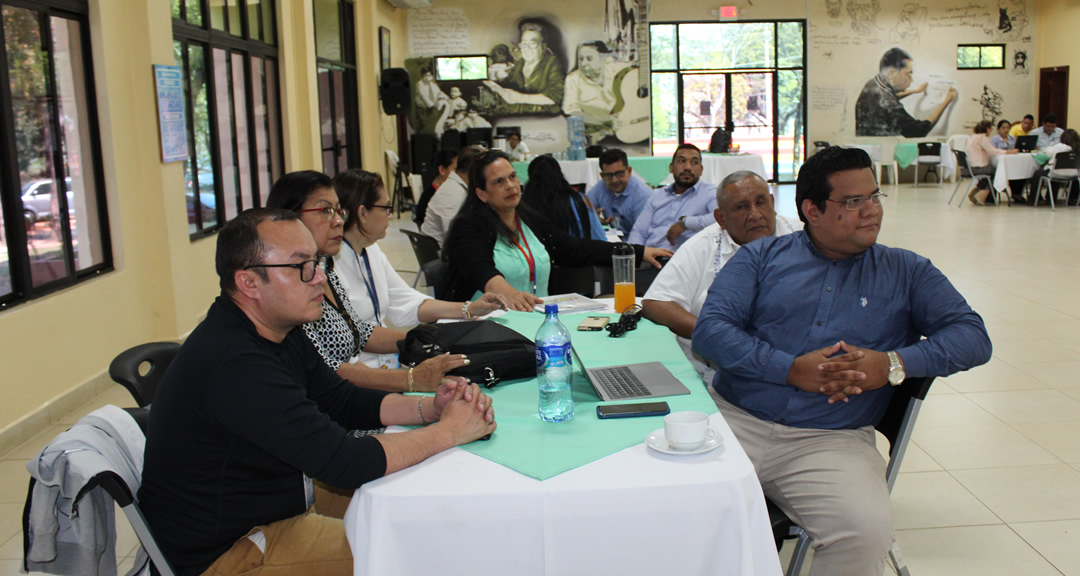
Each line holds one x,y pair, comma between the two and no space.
172,122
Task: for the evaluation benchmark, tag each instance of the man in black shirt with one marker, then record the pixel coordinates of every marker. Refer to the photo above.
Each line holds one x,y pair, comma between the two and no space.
878,111
248,413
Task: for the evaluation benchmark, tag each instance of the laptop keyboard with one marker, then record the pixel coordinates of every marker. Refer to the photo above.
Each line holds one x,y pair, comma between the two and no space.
620,382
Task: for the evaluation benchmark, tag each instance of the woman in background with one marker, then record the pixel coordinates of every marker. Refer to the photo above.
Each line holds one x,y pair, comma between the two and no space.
550,195
445,162
1003,140
979,150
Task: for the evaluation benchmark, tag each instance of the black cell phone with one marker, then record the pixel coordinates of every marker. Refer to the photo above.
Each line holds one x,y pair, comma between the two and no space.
632,410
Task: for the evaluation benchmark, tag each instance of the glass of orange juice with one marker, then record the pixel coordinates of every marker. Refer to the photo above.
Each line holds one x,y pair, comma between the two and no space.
622,261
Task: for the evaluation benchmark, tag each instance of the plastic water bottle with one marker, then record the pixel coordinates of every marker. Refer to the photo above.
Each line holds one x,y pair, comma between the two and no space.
554,366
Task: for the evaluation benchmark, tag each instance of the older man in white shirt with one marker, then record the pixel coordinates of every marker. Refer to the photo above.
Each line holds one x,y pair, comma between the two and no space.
744,213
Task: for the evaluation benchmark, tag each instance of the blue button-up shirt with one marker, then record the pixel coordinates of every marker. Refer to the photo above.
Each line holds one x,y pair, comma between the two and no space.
1047,140
664,209
1000,143
624,207
779,298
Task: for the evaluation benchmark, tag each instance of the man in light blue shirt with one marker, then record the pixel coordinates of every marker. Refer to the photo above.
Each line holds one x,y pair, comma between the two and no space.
810,332
678,211
1050,134
621,196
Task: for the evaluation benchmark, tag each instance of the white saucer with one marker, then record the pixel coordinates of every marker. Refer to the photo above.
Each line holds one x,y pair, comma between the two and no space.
657,441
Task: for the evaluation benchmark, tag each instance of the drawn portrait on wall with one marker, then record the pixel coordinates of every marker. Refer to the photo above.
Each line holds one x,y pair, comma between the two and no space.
908,29
598,88
863,15
878,111
834,8
535,81
1019,66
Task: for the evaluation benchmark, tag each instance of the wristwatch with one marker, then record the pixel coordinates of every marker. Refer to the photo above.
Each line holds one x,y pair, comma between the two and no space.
896,370
682,220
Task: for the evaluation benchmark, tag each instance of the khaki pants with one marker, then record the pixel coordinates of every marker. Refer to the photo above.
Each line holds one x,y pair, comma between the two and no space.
312,543
830,482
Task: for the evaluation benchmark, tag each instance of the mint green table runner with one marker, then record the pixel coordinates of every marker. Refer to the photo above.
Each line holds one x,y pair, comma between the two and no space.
905,153
652,168
541,449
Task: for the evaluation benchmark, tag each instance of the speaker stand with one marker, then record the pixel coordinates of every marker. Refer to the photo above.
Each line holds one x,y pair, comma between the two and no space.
400,200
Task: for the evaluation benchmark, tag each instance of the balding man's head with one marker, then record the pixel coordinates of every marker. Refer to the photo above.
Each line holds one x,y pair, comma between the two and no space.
744,207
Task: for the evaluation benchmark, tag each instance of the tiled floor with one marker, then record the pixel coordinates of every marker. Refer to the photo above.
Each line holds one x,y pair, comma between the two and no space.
989,485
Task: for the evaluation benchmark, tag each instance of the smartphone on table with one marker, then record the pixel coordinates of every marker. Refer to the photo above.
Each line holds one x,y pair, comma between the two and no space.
593,323
606,411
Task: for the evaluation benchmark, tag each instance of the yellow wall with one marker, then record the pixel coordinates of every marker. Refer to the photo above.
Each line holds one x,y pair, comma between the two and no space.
163,282
1058,19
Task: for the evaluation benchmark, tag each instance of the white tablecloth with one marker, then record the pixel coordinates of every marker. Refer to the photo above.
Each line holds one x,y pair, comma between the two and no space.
1013,167
634,512
716,168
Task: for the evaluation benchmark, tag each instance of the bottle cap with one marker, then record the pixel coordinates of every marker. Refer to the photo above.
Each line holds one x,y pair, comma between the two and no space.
622,249
551,308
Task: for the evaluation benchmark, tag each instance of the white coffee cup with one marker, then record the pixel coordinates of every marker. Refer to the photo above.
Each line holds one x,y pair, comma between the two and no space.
688,430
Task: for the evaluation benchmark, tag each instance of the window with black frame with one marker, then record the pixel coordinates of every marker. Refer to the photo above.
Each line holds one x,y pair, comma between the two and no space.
229,55
335,57
55,230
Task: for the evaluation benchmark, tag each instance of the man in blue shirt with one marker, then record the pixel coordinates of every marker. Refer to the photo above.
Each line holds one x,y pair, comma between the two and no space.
621,196
677,212
810,332
1050,133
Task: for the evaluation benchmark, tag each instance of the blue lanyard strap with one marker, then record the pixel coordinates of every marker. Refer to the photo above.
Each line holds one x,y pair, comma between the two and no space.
369,280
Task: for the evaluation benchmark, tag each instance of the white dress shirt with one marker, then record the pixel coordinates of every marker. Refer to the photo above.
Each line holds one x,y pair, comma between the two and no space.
686,278
443,206
399,304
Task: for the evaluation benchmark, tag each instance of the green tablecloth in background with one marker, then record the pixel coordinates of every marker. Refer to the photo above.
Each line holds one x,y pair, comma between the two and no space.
541,449
652,168
905,153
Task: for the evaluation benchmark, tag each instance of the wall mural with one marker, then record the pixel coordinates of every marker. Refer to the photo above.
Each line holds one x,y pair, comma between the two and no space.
878,111
532,83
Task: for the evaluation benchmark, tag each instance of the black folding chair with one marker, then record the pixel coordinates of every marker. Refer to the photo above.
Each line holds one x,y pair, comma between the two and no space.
1066,170
896,425
426,250
140,369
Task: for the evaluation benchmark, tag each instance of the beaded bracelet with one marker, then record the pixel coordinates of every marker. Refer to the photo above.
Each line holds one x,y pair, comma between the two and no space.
420,412
412,385
465,311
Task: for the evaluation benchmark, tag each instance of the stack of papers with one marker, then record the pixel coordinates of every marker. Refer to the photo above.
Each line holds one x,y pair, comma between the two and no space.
571,303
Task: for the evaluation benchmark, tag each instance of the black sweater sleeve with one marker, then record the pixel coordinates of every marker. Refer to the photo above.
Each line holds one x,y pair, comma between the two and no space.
470,251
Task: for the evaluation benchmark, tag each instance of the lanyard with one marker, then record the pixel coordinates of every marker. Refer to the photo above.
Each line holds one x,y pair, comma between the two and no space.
528,255
369,280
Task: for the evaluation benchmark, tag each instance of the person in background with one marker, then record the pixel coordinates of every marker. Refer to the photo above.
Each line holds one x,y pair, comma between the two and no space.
1070,140
550,195
444,205
618,195
339,334
496,245
979,150
536,81
445,163
375,291
1003,140
744,212
676,212
1023,127
249,465
518,150
1050,134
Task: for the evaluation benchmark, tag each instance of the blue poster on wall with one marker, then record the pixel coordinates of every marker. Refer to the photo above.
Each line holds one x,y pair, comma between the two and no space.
169,83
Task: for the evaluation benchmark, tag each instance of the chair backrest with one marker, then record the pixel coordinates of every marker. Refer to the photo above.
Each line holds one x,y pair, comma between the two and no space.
1066,160
125,369
961,159
929,148
820,145
424,247
435,273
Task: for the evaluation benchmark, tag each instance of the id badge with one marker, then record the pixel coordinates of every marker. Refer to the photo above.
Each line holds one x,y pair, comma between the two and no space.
389,361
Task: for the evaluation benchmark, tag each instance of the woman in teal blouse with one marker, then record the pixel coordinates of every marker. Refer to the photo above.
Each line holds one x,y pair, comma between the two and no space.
497,245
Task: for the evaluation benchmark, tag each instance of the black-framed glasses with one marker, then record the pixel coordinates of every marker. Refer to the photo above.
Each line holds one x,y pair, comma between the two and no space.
612,175
859,201
306,268
388,207
328,212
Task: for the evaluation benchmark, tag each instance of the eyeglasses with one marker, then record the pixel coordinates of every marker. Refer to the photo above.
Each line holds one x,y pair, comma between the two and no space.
613,175
328,212
388,207
306,268
859,201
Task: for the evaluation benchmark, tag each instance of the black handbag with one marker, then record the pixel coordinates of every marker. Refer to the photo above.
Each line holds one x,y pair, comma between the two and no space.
495,352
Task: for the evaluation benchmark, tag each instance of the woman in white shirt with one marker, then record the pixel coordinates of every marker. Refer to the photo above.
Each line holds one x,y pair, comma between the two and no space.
517,149
979,150
375,291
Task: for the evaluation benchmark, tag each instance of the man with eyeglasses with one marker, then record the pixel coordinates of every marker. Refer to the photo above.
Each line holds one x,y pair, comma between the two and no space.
676,212
618,197
744,213
810,332
248,414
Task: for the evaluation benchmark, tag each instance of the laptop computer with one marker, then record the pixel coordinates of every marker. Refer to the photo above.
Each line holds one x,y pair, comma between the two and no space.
630,381
1026,143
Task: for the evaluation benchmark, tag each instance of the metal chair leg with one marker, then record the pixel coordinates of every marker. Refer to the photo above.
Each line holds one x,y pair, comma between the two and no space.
798,556
956,188
898,559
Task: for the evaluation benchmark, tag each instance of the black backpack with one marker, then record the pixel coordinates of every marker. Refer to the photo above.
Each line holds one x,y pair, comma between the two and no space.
495,352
